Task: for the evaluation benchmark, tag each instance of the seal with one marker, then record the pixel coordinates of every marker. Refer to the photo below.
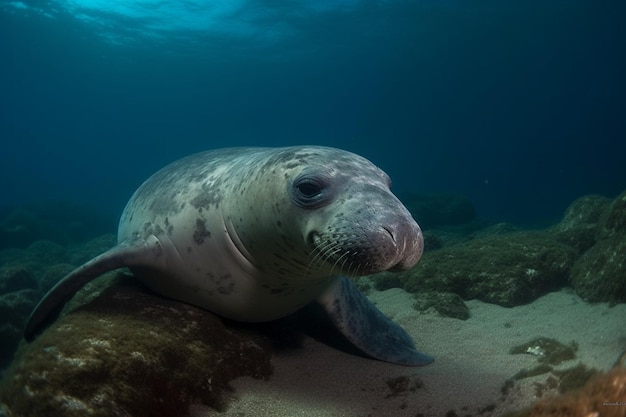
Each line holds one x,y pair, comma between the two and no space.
254,234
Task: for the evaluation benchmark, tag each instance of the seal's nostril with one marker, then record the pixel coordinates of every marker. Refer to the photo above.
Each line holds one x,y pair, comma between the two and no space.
390,232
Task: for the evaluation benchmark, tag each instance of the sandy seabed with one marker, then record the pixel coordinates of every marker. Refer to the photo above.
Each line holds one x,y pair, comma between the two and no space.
472,363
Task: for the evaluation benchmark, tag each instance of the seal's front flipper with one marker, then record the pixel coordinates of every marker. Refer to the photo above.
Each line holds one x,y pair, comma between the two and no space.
129,253
367,327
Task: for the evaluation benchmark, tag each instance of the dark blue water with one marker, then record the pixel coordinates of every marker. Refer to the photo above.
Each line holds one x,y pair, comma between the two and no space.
518,105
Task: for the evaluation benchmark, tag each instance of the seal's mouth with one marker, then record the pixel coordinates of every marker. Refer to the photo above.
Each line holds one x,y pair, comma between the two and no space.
354,255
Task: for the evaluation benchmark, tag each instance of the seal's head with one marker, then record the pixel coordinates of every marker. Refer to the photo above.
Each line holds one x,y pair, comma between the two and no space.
355,222
337,214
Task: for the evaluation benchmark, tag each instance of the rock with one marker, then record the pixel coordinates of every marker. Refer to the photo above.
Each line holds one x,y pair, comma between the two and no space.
53,274
613,220
130,352
10,336
432,241
15,307
434,210
46,252
508,270
19,228
502,228
580,221
14,278
444,236
600,273
76,222
36,257
63,222
602,396
443,304
80,254
20,259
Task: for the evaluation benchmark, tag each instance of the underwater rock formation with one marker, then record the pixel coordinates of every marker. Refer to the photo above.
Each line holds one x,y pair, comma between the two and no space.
15,308
509,269
604,395
444,304
434,210
580,222
15,278
613,220
18,296
53,274
46,252
129,352
90,249
63,222
35,268
600,273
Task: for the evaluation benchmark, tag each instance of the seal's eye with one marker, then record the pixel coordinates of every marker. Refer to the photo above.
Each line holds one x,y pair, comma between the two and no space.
309,189
310,192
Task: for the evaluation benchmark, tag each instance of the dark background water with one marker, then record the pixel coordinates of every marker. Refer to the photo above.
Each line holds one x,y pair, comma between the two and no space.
518,105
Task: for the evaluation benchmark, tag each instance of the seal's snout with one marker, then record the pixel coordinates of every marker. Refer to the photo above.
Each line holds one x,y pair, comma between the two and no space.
408,242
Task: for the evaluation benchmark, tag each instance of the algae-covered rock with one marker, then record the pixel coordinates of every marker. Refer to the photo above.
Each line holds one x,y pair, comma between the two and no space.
432,241
80,254
580,221
16,278
508,270
53,274
17,305
46,252
15,308
129,352
19,228
433,210
444,304
22,259
602,396
613,220
600,273
63,222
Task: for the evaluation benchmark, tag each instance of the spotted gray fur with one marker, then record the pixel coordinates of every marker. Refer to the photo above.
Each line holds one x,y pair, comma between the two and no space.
254,234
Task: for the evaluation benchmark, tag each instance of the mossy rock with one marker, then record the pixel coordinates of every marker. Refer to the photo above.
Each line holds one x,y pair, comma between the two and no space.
600,273
432,241
23,258
46,252
508,270
15,308
129,352
444,304
63,222
82,253
16,278
53,274
19,228
602,392
580,221
613,221
434,210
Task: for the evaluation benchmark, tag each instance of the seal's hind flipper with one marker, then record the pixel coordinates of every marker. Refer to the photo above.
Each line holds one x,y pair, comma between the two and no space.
129,253
367,327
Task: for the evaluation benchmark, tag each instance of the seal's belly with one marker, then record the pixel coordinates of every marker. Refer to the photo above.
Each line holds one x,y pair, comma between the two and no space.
234,295
205,268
